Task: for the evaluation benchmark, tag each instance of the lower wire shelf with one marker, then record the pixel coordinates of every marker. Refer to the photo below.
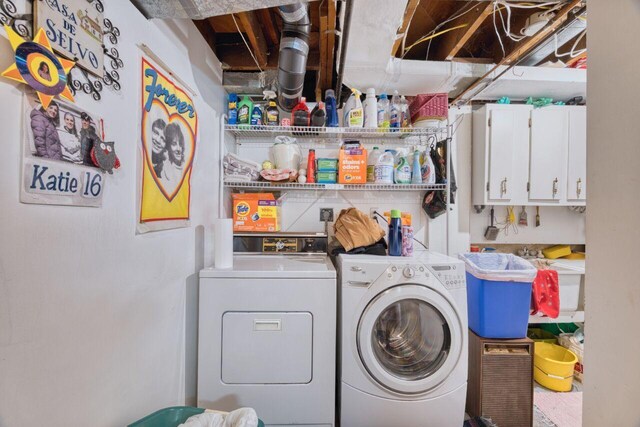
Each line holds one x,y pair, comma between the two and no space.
349,187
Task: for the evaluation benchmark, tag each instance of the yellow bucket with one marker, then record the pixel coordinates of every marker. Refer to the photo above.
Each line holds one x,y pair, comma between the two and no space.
553,366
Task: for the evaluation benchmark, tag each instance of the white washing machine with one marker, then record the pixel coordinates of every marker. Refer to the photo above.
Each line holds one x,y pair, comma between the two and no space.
403,341
267,338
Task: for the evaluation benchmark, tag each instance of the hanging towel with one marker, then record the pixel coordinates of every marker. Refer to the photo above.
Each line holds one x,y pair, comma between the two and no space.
545,295
243,417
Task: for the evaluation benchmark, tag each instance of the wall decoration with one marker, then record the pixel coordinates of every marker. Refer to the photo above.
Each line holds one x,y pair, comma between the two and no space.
74,28
169,126
20,19
57,167
104,156
37,66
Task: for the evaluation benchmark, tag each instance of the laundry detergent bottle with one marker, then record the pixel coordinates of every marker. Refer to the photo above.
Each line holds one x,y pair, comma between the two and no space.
332,109
384,168
395,233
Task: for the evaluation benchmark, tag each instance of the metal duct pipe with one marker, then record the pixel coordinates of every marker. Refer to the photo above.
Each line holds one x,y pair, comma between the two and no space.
294,50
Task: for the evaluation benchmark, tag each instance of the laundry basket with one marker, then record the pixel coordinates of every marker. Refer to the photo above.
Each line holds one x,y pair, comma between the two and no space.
171,417
498,294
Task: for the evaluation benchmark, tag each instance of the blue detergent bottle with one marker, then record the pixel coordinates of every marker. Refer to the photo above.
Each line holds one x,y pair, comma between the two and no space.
332,109
395,233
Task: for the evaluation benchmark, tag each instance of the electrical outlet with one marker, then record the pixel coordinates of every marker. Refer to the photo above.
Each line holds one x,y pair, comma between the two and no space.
326,214
372,212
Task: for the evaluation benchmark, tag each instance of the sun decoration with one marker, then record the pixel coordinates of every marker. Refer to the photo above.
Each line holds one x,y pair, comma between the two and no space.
37,66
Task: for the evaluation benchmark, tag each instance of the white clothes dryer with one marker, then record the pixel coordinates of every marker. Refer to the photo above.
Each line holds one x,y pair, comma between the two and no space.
403,344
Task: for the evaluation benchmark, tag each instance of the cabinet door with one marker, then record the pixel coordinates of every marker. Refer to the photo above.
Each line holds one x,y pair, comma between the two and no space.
577,165
547,167
502,130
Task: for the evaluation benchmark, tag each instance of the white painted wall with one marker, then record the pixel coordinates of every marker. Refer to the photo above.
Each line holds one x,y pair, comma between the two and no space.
612,371
98,325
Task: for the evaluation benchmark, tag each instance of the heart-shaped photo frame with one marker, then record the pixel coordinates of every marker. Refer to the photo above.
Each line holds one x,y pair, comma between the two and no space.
169,145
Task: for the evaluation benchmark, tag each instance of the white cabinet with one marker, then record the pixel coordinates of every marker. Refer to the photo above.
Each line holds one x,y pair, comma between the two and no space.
525,156
500,153
577,164
548,154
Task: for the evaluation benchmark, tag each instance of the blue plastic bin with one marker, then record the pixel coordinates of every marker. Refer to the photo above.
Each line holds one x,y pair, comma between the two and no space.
498,294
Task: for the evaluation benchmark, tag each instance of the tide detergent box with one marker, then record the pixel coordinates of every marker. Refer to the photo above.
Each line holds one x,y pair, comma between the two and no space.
352,165
256,212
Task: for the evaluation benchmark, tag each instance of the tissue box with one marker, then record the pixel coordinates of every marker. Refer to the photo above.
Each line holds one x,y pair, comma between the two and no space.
352,165
256,212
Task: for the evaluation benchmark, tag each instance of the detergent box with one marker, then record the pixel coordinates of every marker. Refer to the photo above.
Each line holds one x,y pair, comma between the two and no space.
352,164
256,212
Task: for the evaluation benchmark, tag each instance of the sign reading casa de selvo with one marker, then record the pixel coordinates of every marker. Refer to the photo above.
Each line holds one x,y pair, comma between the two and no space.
74,28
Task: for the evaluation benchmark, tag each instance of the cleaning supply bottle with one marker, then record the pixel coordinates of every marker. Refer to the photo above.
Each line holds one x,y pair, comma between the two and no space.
256,115
245,108
384,168
428,168
416,170
271,114
383,111
300,113
407,235
370,109
318,115
395,233
402,170
332,109
353,112
405,120
232,109
311,166
372,161
395,114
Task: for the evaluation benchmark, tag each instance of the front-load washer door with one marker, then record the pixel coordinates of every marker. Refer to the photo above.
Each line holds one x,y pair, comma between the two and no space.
409,338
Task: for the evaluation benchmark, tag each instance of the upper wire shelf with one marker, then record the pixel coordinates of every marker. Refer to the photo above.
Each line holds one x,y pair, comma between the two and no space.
246,131
348,187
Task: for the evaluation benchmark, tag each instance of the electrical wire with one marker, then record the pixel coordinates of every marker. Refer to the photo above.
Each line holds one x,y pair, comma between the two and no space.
245,43
459,13
425,38
495,27
572,53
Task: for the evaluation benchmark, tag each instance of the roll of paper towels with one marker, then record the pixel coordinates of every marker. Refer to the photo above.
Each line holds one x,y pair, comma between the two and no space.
223,243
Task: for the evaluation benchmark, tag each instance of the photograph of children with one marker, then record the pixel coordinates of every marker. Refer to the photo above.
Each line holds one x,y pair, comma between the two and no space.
61,131
169,151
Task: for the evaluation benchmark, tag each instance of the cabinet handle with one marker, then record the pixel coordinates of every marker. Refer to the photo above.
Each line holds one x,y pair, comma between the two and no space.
579,187
555,187
503,187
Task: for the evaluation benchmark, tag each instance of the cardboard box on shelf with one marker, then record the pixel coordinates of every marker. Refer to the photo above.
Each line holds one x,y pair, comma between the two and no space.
256,212
352,165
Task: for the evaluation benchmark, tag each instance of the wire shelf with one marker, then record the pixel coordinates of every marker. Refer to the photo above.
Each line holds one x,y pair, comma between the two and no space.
340,187
244,131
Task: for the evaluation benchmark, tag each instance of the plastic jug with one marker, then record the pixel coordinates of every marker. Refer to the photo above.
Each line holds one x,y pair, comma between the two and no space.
383,112
245,108
332,108
318,116
402,170
371,109
384,168
300,113
232,109
353,112
395,113
372,161
395,233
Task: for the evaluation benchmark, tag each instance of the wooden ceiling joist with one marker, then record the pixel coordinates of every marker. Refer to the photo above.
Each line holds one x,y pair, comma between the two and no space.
251,26
522,48
409,11
327,46
451,42
269,26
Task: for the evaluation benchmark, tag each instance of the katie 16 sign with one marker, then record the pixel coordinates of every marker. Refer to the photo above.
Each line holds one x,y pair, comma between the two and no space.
74,28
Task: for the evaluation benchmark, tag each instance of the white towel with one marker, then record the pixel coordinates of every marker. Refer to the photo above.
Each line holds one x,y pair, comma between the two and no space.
243,417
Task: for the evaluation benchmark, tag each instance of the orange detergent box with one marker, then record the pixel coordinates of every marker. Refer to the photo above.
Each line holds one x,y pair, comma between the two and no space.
256,212
352,164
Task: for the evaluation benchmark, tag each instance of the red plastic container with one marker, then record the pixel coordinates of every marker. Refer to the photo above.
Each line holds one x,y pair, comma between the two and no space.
430,106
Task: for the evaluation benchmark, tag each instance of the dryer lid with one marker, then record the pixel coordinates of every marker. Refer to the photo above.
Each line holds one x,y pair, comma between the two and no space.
280,266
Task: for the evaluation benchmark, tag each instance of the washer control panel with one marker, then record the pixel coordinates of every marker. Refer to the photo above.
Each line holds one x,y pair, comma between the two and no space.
451,276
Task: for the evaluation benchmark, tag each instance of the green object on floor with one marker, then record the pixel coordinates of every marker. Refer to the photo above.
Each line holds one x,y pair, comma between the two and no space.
171,417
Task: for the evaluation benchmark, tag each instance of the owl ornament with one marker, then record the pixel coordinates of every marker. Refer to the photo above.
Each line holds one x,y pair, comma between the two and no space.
104,156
